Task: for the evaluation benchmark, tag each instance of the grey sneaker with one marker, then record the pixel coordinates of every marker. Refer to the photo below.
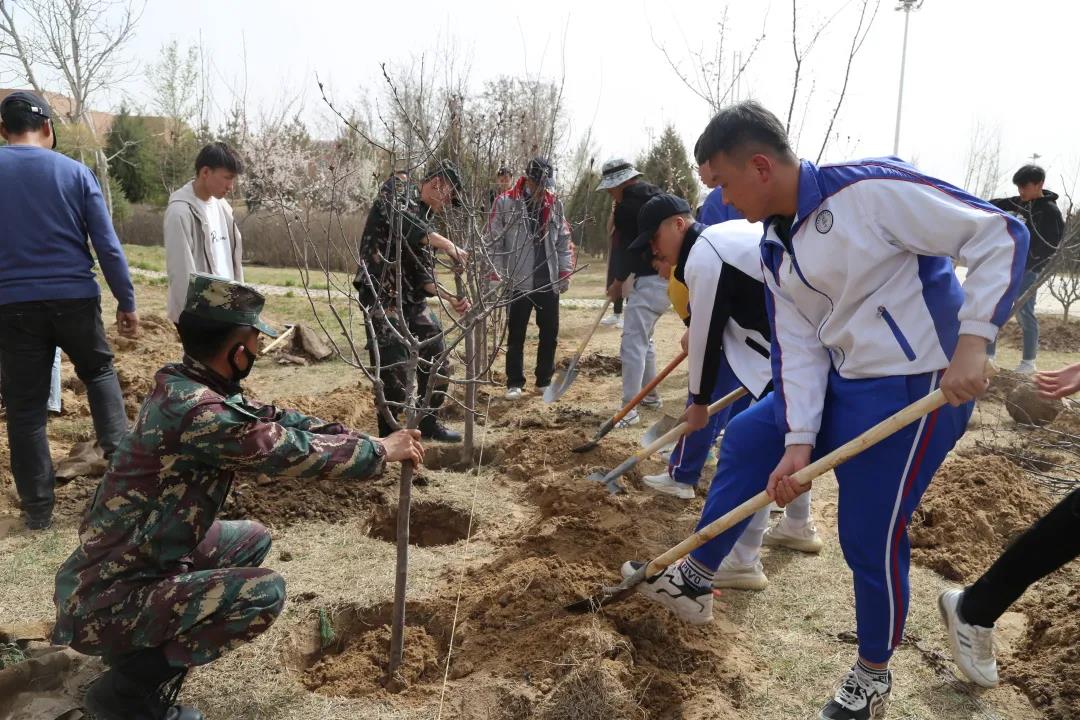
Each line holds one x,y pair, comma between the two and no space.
733,576
663,483
632,418
972,646
785,534
858,698
688,602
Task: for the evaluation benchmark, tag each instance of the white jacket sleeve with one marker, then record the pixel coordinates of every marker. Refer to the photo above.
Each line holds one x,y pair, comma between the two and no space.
179,231
703,281
800,367
930,220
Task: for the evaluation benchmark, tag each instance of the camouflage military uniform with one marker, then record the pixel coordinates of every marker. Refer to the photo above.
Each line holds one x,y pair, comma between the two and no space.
154,568
398,209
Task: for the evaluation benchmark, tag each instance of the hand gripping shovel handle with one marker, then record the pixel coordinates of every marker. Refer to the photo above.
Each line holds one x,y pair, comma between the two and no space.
848,450
607,426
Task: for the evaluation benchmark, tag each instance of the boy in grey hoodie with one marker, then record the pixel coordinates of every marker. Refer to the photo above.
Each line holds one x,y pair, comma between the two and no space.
200,233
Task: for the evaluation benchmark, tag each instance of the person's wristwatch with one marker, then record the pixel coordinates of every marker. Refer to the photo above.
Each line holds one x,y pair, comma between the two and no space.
380,454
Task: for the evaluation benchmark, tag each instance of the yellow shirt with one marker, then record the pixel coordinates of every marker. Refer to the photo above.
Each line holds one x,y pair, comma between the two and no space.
679,295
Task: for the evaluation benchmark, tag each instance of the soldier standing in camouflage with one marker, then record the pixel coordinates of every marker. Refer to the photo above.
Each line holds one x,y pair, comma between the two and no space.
399,238
157,584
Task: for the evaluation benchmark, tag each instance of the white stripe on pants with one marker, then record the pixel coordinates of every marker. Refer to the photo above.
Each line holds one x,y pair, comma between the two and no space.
648,301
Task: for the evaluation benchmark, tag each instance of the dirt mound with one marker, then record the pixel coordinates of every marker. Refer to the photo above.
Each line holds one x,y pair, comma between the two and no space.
1027,407
1047,663
1055,334
430,524
595,364
283,501
973,507
351,405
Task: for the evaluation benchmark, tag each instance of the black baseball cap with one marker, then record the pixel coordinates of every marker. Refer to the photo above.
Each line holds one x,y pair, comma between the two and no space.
654,212
539,170
450,171
26,101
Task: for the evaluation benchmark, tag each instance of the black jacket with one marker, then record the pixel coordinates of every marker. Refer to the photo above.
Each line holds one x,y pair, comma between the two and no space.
626,212
1044,222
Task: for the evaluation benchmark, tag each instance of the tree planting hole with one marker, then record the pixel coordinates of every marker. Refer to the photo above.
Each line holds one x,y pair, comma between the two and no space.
430,524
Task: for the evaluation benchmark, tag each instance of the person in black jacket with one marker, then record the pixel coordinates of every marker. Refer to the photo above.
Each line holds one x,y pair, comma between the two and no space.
649,299
1039,211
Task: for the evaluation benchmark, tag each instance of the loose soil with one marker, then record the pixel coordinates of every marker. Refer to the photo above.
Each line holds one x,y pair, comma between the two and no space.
595,364
1027,406
430,524
1047,664
1055,334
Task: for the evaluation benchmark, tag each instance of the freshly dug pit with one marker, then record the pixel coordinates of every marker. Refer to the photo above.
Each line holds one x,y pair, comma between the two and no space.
430,524
453,457
352,661
282,501
595,364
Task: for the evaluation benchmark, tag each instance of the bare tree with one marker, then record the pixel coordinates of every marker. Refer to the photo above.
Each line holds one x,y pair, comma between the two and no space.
75,44
982,167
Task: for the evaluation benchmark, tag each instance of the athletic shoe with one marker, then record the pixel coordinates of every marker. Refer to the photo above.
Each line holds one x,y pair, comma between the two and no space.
652,401
689,603
1026,367
784,534
663,483
513,393
732,575
613,319
632,418
859,697
972,646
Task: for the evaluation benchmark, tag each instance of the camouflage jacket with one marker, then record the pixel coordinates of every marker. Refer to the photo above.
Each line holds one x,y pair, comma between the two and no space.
397,212
170,475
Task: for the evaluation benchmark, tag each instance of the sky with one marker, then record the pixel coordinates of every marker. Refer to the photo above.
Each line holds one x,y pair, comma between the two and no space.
997,65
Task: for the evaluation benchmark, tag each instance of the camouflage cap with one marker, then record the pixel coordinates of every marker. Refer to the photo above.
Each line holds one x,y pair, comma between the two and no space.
216,298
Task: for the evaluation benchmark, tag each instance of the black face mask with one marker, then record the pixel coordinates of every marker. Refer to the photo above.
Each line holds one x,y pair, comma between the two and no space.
239,374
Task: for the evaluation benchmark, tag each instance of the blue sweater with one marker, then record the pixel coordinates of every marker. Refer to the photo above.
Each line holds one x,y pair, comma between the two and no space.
49,205
714,211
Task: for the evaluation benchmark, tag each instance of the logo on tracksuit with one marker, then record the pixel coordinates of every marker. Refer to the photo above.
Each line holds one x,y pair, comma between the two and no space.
824,221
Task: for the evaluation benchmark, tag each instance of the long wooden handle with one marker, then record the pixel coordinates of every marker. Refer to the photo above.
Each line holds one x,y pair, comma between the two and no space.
874,435
676,432
281,339
648,388
588,335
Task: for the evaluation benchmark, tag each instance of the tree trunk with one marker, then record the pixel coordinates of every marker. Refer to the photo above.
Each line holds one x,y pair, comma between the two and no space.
102,163
401,571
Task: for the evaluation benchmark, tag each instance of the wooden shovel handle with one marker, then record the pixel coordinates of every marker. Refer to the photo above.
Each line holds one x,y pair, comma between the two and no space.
648,388
588,336
874,435
281,339
676,432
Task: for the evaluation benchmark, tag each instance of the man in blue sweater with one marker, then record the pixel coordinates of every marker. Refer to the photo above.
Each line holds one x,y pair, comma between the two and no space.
49,296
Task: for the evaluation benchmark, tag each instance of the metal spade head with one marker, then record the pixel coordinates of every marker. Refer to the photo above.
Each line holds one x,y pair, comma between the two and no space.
610,478
560,384
658,429
608,595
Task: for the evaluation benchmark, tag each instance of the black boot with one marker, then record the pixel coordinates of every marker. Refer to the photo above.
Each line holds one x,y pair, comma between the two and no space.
432,429
143,686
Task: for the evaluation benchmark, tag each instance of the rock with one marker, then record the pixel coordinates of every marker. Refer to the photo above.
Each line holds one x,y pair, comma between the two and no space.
311,343
1027,407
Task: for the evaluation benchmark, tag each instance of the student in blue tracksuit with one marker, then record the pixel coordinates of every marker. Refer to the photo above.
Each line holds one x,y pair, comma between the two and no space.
867,317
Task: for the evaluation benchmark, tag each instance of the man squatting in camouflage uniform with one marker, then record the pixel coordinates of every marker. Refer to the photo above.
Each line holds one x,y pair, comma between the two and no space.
399,235
157,584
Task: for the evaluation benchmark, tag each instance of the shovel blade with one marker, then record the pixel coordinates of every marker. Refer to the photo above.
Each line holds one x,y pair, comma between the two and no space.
560,384
611,479
600,476
608,595
657,429
586,447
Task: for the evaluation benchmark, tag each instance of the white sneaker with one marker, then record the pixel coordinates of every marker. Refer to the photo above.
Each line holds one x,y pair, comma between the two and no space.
1026,367
652,401
612,319
663,483
632,418
785,534
740,577
514,393
972,646
858,697
689,603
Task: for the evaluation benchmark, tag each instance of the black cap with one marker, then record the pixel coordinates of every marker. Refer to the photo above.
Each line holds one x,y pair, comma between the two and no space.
447,169
540,171
654,212
503,170
26,101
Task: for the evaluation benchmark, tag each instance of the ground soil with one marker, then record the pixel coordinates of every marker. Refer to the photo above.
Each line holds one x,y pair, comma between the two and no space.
1055,334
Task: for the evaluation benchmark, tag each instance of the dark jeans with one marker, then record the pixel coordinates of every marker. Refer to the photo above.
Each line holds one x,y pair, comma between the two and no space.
546,303
616,307
30,332
1044,547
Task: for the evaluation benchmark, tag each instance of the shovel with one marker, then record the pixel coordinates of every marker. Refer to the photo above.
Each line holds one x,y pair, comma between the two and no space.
874,435
281,340
606,427
611,479
657,429
565,378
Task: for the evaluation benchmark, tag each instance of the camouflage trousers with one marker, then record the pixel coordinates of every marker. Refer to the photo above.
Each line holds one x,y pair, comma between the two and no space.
223,601
393,351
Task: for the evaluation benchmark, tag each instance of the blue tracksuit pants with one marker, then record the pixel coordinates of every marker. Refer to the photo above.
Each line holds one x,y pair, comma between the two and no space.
879,488
691,452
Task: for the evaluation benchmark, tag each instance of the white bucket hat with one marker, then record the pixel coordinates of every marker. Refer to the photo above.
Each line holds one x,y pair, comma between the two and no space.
615,172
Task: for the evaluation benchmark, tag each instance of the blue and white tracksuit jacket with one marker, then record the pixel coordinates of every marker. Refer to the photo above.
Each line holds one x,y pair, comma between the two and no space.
866,312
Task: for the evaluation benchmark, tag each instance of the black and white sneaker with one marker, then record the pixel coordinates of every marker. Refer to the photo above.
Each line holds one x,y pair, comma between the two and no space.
859,697
690,603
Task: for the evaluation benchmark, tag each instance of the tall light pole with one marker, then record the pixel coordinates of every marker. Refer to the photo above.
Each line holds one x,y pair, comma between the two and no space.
907,6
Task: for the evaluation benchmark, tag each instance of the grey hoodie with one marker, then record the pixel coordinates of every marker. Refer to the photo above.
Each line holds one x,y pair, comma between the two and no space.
187,245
